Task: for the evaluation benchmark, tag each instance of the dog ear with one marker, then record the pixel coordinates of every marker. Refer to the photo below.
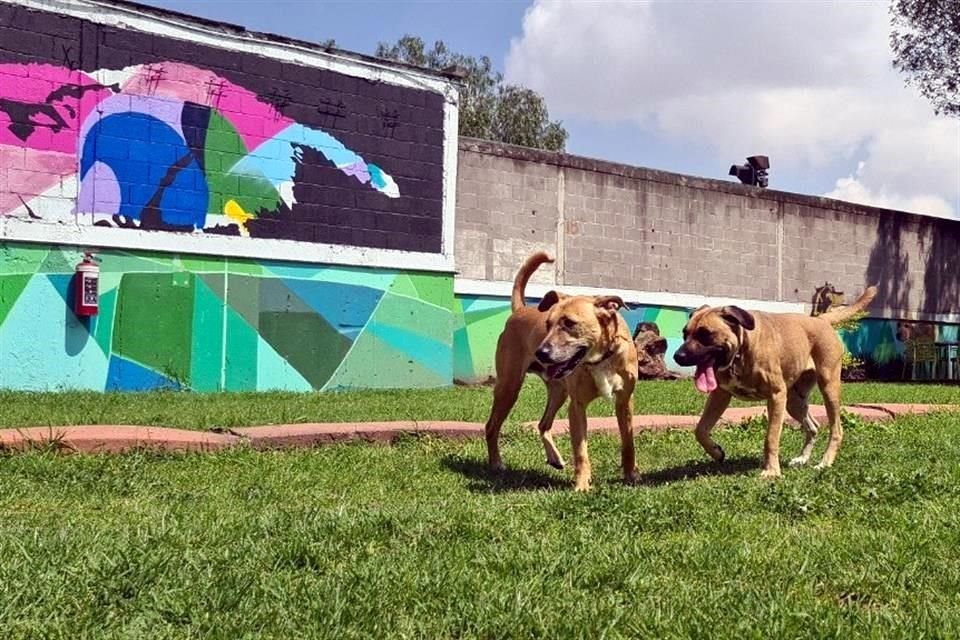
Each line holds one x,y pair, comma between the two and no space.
549,299
646,327
608,303
656,347
699,309
736,315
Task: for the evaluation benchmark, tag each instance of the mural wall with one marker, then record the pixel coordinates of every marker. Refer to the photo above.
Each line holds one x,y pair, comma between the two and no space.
212,324
881,344
120,128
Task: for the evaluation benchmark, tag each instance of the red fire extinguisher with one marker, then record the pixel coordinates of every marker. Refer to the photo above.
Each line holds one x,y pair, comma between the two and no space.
87,295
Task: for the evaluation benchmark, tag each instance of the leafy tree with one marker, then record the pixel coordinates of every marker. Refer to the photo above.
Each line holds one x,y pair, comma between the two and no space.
489,109
925,39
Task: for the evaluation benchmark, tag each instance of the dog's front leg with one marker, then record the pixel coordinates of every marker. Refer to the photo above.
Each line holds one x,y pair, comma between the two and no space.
628,458
776,407
556,396
578,438
717,403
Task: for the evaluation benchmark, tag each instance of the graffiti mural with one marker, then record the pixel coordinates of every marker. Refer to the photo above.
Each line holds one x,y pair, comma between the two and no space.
885,346
122,137
212,324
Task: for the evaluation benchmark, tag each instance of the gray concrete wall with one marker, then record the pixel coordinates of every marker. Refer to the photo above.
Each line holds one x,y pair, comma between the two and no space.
639,229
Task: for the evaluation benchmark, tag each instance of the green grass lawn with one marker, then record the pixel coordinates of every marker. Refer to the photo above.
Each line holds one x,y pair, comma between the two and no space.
417,540
205,411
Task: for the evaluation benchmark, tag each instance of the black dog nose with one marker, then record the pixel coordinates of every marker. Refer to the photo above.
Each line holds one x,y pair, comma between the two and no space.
681,357
543,355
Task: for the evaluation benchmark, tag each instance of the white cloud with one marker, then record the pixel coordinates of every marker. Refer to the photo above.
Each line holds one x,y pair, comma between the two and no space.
808,83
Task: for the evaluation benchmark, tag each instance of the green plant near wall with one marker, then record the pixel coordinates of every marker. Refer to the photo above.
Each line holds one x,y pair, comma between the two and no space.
850,325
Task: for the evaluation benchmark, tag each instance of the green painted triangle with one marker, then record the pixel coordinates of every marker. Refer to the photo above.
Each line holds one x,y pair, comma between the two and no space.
403,286
434,288
104,329
21,258
56,262
244,267
11,286
374,364
202,264
243,295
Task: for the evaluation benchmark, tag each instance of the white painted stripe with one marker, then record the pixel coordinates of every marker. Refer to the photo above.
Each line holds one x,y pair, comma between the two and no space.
175,27
20,230
464,286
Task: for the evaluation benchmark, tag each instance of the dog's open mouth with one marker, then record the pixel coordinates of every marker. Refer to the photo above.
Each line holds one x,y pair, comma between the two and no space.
705,377
560,370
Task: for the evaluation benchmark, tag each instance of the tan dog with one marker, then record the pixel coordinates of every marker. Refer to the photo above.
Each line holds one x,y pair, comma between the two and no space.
581,348
651,347
777,357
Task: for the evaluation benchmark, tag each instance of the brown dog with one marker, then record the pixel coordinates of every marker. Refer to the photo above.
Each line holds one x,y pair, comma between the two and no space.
651,347
581,348
777,357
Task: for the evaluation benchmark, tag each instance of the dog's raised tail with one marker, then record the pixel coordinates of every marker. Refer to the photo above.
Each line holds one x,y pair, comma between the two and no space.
844,313
523,276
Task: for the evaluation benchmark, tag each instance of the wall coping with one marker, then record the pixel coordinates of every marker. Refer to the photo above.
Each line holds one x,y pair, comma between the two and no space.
594,165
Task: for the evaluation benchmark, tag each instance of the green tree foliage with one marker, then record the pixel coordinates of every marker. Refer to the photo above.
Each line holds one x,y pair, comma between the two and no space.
925,38
489,109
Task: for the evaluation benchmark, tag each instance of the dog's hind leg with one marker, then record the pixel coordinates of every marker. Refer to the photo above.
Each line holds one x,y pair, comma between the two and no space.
556,396
829,383
798,407
717,403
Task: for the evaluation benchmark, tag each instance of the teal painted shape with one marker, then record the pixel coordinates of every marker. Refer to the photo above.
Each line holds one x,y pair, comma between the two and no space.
346,308
44,347
432,354
240,364
358,276
462,357
274,373
206,361
471,304
374,364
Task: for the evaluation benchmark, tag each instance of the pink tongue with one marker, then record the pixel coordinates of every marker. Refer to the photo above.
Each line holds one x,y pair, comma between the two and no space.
705,379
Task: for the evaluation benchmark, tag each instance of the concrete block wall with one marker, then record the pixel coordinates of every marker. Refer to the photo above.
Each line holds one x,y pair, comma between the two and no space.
627,228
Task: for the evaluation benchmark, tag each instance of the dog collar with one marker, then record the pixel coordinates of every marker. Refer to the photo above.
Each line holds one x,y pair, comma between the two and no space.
736,356
606,356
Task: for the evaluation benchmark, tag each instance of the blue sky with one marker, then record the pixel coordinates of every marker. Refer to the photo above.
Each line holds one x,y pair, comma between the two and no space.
690,86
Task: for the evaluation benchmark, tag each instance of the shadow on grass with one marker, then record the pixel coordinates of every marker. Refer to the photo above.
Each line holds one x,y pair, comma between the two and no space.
691,470
486,481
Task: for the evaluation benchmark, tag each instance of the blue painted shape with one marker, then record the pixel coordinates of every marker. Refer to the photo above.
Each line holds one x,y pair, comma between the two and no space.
376,176
347,308
139,149
432,354
126,375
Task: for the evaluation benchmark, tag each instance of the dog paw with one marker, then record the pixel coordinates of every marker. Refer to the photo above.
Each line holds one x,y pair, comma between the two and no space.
582,487
556,464
770,474
822,466
799,461
632,478
497,467
721,455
